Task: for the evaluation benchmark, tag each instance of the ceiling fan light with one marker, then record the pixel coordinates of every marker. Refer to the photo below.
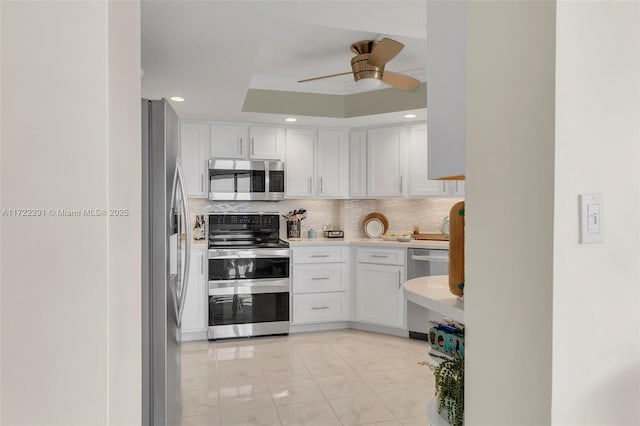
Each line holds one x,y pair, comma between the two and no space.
368,83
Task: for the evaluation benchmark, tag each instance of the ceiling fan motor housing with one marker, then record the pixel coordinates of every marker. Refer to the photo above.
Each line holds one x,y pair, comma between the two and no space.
362,69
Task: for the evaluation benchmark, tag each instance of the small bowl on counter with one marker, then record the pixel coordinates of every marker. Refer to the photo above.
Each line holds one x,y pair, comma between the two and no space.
404,238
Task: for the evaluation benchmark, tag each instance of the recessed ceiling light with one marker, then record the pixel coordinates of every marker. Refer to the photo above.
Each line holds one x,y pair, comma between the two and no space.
177,99
410,116
290,119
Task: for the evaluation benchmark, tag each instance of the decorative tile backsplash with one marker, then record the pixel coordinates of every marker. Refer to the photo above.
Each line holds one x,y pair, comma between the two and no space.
403,214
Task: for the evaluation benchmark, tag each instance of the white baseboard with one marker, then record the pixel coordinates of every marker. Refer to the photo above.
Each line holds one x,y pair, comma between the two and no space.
379,329
305,328
190,336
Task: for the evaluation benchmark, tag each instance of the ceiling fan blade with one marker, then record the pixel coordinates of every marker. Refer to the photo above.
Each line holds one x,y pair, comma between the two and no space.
384,51
325,76
400,81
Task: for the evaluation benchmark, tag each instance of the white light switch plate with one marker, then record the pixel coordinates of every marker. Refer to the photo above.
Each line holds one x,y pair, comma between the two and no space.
590,218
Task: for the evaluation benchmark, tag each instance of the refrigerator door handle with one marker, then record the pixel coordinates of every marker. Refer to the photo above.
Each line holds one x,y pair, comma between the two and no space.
187,238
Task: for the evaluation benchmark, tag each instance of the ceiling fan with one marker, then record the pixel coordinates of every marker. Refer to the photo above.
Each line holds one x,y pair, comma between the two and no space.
368,65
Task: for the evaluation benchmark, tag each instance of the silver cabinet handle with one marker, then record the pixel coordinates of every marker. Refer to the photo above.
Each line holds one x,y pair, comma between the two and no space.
321,190
201,182
319,278
384,256
315,308
202,264
401,184
399,279
253,147
320,255
309,184
240,146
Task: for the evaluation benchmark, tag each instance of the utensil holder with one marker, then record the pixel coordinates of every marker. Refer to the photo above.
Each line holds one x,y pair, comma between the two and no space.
293,229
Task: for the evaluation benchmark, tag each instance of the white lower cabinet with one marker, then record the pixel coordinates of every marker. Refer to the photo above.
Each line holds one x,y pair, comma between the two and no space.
321,307
378,288
320,284
194,316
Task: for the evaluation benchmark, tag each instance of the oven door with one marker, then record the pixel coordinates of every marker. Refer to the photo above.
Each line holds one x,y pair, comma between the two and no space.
248,292
243,309
249,264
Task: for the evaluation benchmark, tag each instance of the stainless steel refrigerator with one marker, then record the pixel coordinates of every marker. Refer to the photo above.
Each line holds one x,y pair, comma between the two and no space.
165,262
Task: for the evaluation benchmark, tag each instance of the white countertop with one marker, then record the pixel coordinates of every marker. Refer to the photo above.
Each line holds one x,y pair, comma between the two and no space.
306,242
428,244
433,293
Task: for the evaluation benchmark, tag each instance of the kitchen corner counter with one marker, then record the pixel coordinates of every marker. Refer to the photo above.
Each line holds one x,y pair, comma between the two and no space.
315,242
433,293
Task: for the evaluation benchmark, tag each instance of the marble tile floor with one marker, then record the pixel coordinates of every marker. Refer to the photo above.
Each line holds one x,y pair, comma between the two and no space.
344,377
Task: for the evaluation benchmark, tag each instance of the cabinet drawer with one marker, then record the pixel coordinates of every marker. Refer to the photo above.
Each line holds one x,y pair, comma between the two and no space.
323,307
310,278
320,254
381,256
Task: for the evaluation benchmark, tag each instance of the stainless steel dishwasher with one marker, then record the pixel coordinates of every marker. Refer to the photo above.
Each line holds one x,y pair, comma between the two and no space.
422,263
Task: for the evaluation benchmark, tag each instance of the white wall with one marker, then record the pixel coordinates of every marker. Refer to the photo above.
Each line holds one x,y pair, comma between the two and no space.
70,309
553,334
596,298
509,212
124,186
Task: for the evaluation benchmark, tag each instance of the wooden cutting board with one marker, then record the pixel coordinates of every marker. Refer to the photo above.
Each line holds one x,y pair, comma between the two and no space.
456,249
436,237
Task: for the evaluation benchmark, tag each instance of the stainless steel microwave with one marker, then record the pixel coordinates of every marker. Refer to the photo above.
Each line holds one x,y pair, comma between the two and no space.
232,179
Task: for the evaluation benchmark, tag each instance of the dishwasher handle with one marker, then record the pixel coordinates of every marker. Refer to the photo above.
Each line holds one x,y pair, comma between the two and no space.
429,258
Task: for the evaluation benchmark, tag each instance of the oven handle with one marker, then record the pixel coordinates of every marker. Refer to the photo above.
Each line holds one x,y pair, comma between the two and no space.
248,289
279,282
429,258
247,254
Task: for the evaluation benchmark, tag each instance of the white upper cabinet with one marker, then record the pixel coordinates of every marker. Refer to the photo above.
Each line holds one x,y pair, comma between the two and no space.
229,141
317,163
194,140
446,80
419,183
238,141
332,159
265,143
358,163
385,162
299,163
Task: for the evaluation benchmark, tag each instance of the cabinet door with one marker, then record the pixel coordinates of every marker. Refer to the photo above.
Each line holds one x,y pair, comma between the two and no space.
229,141
455,188
419,183
379,297
332,156
446,80
385,162
194,317
194,138
299,163
358,163
264,143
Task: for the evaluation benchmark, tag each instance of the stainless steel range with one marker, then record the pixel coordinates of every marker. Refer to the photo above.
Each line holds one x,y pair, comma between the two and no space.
248,276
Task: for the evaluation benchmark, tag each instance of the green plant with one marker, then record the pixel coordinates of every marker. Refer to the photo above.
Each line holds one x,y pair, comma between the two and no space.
449,377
